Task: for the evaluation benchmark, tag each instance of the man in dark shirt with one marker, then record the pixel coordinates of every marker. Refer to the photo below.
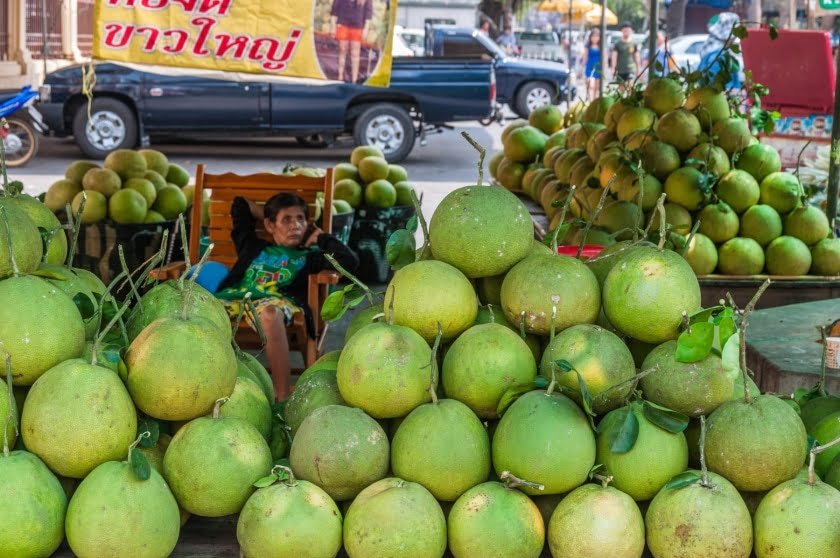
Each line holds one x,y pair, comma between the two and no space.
350,19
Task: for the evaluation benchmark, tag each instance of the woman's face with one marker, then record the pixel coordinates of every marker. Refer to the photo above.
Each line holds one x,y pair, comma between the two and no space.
288,227
596,37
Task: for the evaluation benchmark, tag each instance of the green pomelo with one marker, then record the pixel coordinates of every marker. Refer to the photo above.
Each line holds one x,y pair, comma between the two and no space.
427,294
65,278
404,190
394,517
492,520
483,363
510,173
759,160
146,189
280,440
126,163
32,517
594,521
380,193
638,139
495,315
655,456
155,161
757,444
608,258
633,119
318,389
798,519
113,513
258,372
306,516
693,389
684,186
739,189
762,223
75,171
550,289
732,134
105,181
709,105
348,190
248,402
166,300
93,282
825,257
153,217
379,357
663,95
442,446
60,193
128,207
27,248
676,217
597,109
578,139
787,255
807,223
525,144
660,159
557,139
489,290
832,476
373,168
698,521
718,222
54,248
345,170
598,142
781,190
177,368
170,202
602,237
547,118
545,439
341,449
177,175
564,163
96,206
580,172
155,453
40,326
825,431
646,294
814,410
741,256
364,151
599,356
710,158
361,319
620,218
157,180
481,230
701,255
679,128
212,464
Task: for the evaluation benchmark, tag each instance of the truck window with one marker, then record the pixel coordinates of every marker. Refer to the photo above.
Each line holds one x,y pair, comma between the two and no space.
463,47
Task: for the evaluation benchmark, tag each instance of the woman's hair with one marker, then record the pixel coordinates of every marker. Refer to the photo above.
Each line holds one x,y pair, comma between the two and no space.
594,33
281,201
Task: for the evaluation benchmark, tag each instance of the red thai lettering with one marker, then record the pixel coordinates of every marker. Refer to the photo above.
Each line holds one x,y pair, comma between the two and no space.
205,25
181,37
221,7
188,5
154,4
152,34
118,35
128,3
238,44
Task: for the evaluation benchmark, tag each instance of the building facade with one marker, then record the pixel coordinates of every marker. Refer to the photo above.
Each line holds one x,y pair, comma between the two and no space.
414,13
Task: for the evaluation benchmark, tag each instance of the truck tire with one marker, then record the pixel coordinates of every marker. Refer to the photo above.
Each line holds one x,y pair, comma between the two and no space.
22,140
533,95
113,126
388,127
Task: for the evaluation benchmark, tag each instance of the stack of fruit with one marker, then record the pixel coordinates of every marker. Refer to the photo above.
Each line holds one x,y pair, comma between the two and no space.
369,180
751,216
132,187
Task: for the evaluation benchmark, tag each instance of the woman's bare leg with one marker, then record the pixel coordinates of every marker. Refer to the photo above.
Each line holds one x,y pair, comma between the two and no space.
342,58
277,350
355,60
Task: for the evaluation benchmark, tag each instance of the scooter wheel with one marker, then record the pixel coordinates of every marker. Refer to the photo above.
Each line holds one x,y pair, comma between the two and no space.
21,142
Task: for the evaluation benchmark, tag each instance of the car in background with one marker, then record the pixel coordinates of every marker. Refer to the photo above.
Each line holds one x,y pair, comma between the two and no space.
540,45
399,48
414,39
685,50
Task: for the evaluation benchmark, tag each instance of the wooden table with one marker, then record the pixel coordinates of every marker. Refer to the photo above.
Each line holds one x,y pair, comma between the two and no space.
783,348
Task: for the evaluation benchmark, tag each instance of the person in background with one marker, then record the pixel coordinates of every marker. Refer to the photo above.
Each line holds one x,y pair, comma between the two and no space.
625,59
712,61
591,63
662,64
507,40
485,27
349,25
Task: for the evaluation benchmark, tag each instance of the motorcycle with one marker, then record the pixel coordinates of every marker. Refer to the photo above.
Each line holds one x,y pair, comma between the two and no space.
20,138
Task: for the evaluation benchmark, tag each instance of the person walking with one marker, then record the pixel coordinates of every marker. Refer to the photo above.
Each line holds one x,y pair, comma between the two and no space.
591,64
625,59
662,63
350,21
507,40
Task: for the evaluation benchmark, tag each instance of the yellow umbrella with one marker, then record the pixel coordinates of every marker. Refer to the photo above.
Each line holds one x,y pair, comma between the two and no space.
593,16
562,6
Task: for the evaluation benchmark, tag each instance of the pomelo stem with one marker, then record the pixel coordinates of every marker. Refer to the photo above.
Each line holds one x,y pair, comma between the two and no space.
131,285
9,246
433,376
133,445
418,212
492,315
75,222
640,176
799,164
634,380
663,223
660,207
742,336
553,383
185,244
812,458
605,480
217,407
522,333
390,315
552,328
821,383
594,215
277,468
704,472
257,323
481,154
194,276
690,237
568,201
241,314
512,481
11,418
338,267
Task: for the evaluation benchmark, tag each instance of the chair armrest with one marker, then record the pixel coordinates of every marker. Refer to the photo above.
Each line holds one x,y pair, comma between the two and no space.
326,278
169,271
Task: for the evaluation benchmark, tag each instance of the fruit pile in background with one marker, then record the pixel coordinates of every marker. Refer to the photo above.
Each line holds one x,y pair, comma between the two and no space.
753,217
130,188
369,180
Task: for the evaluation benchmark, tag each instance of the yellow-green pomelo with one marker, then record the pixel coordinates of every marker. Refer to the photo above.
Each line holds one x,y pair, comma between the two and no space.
394,517
155,161
597,109
741,256
105,181
710,158
114,513
444,447
676,216
75,171
128,207
600,358
608,258
96,206
654,457
404,190
679,128
685,186
510,174
363,151
647,292
759,160
719,222
27,248
739,189
166,300
308,518
212,464
547,118
60,193
145,188
493,520
787,255
598,142
620,218
126,163
660,159
32,517
481,230
595,521
613,114
807,223
483,363
341,449
177,175
580,172
701,255
157,180
563,164
73,286
55,249
762,223
525,144
249,402
318,389
373,168
170,202
709,105
638,139
825,431
40,326
798,518
380,193
781,190
545,438
648,186
756,444
581,136
153,216
259,373
825,257
663,95
345,170
732,134
698,521
633,119
396,173
178,368
349,190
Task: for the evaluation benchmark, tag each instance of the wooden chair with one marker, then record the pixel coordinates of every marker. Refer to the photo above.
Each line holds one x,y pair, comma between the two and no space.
259,188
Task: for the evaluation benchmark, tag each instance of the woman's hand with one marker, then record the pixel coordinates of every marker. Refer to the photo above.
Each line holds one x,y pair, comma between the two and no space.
256,210
313,232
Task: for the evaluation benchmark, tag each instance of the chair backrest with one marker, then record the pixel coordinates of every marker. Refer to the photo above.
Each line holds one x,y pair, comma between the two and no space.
257,188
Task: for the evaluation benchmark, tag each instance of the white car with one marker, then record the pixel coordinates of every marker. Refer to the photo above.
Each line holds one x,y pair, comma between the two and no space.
413,39
399,48
685,50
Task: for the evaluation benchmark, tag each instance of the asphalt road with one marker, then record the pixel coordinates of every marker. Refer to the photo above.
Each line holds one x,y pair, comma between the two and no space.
445,163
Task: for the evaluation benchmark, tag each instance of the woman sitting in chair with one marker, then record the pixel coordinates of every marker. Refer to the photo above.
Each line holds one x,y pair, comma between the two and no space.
276,272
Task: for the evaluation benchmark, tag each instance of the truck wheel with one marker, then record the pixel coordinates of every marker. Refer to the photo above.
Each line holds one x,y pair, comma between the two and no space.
533,95
388,127
112,126
21,143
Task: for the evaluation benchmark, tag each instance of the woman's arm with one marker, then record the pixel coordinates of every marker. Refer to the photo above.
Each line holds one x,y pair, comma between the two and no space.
244,232
331,245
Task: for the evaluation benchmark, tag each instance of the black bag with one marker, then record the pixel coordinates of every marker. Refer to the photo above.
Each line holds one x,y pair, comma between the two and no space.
371,229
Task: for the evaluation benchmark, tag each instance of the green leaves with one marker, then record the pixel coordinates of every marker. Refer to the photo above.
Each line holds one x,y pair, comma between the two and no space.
695,343
565,366
140,465
401,248
85,305
339,302
665,418
151,426
623,438
540,382
682,480
278,473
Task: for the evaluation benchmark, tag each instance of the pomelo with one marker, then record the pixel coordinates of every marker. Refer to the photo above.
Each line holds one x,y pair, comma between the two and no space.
676,216
679,128
394,517
581,136
597,109
701,255
127,207
126,163
759,160
547,118
348,190
494,314
825,257
646,293
663,95
96,206
9,433
404,190
510,173
807,223
557,139
632,189
73,286
248,402
598,142
373,168
346,170
318,389
525,144
75,171
27,248
481,230
146,189
170,202
608,258
55,248
157,180
824,432
60,193
732,134
638,139
709,105
687,187
550,156
189,192
105,181
177,175
719,222
363,318
564,163
155,160
340,449
633,119
483,363
155,454
741,256
363,151
739,189
781,190
762,223
613,114
580,172
711,158
660,159
166,300
380,193
787,255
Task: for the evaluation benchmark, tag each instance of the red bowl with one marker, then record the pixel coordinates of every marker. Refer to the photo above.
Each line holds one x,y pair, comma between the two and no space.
589,250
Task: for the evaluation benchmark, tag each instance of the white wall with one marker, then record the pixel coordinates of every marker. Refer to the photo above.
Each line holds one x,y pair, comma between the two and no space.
415,16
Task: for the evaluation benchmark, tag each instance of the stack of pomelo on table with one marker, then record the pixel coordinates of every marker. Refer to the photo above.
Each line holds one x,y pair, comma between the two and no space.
369,180
753,216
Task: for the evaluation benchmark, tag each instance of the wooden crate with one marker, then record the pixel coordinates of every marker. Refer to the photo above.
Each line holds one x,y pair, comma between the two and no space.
782,290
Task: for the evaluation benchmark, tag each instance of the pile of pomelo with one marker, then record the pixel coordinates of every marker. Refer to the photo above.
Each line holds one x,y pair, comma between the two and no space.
751,217
369,180
129,188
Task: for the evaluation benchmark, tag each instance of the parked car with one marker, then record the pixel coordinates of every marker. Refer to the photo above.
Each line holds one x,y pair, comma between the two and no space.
685,50
413,38
540,45
129,106
399,48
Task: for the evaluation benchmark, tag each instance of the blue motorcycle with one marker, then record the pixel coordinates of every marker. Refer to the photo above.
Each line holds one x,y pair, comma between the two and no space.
24,123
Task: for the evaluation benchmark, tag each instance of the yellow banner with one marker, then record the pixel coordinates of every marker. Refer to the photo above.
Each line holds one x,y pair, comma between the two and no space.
336,40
